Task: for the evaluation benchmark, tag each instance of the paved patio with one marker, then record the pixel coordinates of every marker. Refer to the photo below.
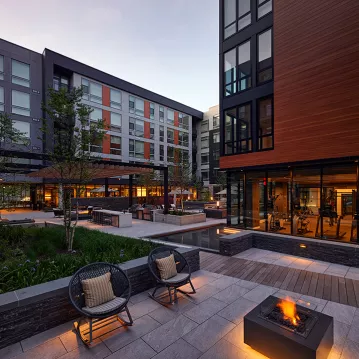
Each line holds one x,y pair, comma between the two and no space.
207,325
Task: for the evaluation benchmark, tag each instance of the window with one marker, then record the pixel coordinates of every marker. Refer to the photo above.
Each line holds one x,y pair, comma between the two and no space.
20,103
137,106
230,72
115,99
229,130
205,126
152,151
137,149
264,7
265,60
216,137
96,145
183,121
1,67
152,111
265,124
162,152
116,122
204,142
20,73
60,82
216,121
170,154
162,134
170,117
152,130
95,92
183,138
237,16
96,114
115,146
216,155
205,175
162,114
170,135
137,127
85,84
244,66
204,158
22,127
244,129
2,99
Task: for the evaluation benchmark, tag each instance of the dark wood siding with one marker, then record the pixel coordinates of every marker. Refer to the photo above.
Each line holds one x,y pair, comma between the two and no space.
316,83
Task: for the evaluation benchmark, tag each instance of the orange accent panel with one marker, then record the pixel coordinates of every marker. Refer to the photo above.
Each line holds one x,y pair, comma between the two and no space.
106,140
147,109
106,96
176,136
316,109
176,119
147,150
147,130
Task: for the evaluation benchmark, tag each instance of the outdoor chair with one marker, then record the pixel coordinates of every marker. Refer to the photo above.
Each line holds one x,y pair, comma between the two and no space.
182,278
106,313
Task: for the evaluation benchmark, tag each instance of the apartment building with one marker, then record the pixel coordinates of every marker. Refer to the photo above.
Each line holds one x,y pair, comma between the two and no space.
289,110
142,126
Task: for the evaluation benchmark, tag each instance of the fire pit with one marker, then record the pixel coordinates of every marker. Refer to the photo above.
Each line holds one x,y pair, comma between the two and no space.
280,329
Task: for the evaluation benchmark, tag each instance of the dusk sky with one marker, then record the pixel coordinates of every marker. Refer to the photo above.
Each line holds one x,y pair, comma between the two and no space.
167,46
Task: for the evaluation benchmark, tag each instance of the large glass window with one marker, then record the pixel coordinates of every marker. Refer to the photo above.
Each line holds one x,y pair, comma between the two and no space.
115,99
244,66
264,7
162,114
162,152
63,82
95,92
204,126
1,67
2,99
204,158
170,154
152,151
96,114
136,127
115,146
205,175
170,135
136,149
230,73
116,122
265,124
20,103
230,128
183,121
216,121
162,133
265,60
244,129
152,111
216,137
152,130
237,15
20,73
137,106
183,139
170,117
96,145
22,127
204,142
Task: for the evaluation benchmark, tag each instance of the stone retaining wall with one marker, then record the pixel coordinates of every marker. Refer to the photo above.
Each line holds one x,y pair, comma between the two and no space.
29,311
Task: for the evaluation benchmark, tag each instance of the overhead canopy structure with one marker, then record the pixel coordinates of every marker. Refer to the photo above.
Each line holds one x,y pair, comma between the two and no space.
178,191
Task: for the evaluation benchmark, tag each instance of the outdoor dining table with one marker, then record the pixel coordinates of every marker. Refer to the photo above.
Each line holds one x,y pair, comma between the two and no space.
118,219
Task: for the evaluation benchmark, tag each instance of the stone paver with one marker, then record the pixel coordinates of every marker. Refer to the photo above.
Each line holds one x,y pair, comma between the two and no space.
205,325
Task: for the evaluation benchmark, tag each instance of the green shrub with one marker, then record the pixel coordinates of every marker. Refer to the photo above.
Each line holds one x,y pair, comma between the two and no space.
39,255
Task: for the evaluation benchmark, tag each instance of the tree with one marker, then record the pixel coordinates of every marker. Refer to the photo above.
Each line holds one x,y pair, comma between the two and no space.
221,179
197,183
68,127
148,180
180,174
10,139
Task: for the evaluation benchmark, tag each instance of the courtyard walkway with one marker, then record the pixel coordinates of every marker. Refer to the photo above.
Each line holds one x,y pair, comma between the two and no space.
207,325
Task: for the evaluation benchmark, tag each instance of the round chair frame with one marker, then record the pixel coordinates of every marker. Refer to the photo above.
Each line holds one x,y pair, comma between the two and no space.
182,266
121,286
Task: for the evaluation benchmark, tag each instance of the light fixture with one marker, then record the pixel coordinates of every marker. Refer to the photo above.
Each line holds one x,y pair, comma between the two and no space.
217,204
302,245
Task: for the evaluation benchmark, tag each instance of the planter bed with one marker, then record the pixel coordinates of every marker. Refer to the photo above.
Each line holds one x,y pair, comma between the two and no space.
179,220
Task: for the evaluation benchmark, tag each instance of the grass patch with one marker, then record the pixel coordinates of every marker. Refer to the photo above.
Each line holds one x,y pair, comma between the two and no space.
34,255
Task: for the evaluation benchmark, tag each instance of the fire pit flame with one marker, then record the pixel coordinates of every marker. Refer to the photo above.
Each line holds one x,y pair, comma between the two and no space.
289,310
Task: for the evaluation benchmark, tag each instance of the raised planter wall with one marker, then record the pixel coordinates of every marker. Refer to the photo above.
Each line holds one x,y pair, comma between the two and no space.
334,252
29,311
179,220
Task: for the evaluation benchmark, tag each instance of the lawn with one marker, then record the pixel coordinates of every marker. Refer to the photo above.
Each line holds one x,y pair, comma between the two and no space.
34,255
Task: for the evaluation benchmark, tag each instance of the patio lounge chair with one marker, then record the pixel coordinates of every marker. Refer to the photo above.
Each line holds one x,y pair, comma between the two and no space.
105,313
182,278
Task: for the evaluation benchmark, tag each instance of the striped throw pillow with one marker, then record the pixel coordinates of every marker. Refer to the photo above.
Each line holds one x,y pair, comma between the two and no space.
97,290
167,267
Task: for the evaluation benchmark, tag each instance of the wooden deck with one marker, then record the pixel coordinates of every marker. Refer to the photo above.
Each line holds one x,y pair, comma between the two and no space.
324,286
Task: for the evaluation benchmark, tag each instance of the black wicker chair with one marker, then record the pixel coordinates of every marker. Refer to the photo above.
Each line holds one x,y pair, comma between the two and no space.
98,317
182,278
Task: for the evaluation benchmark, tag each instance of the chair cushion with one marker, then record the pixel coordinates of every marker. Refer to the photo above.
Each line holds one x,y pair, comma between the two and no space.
178,278
167,267
105,307
97,290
